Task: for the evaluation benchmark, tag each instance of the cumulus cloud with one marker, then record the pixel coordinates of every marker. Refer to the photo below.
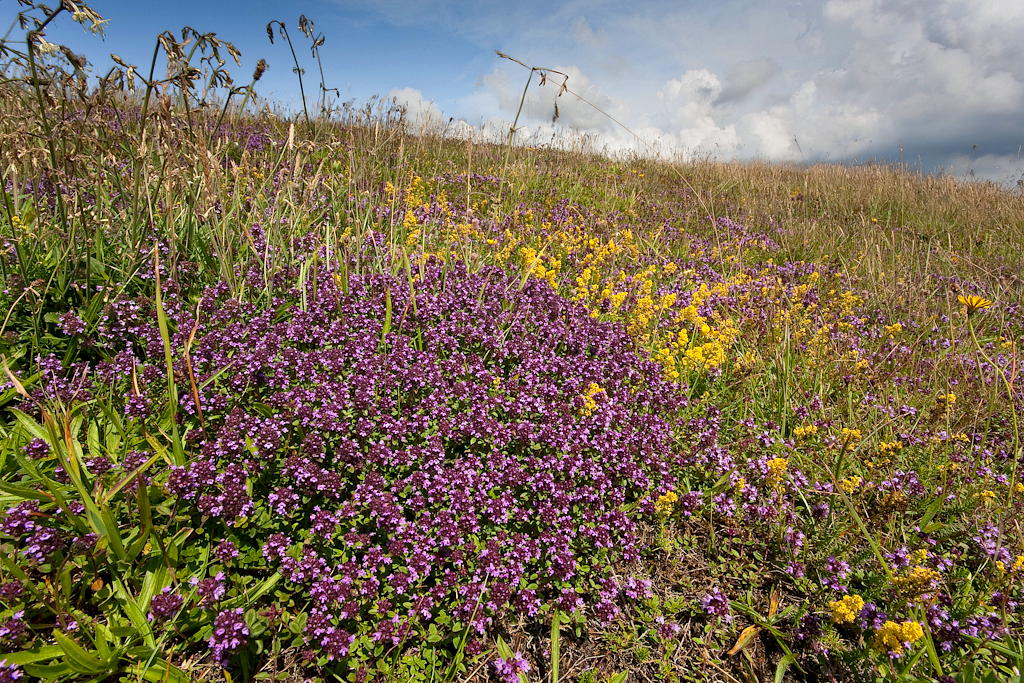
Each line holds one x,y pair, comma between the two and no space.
424,116
791,80
581,112
745,77
1008,170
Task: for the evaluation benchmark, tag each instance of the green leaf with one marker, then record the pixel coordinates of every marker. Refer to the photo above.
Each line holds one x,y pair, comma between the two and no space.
556,638
8,395
34,429
134,613
248,598
164,672
387,314
783,667
37,654
129,478
23,492
503,649
49,672
80,659
154,582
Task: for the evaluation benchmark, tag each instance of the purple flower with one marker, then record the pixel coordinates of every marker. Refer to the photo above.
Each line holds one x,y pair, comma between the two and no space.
40,545
9,672
99,464
137,406
37,448
509,670
835,571
229,634
210,590
164,605
20,519
225,551
276,546
283,500
716,604
871,618
11,591
70,324
14,631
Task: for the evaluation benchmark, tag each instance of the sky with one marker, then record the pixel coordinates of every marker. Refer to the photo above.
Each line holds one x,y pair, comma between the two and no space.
936,83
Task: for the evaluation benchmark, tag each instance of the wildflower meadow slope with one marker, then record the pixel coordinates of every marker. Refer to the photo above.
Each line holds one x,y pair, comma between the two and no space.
320,399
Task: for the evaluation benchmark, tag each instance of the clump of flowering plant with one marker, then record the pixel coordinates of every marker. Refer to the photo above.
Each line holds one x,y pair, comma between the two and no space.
383,458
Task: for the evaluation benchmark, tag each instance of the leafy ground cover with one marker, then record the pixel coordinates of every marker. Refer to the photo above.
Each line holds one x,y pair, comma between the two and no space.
291,400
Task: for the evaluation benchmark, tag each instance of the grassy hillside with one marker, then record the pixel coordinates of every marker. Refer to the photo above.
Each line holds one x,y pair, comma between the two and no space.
290,400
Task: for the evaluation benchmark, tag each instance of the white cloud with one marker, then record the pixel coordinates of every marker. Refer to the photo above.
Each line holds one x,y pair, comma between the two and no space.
747,76
424,116
1006,170
780,79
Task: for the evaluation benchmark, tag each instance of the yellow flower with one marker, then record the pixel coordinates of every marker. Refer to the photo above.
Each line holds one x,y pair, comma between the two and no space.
663,505
847,609
850,484
886,447
776,470
1018,565
893,637
589,402
973,303
917,581
806,430
850,437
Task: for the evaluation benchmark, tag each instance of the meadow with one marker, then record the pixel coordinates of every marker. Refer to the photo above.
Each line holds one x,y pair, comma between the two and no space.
314,398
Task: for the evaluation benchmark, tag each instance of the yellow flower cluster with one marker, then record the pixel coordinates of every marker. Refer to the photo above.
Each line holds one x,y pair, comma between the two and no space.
850,484
745,362
1018,565
889,447
665,502
21,228
847,609
894,329
894,637
539,267
589,400
850,437
917,581
805,431
776,471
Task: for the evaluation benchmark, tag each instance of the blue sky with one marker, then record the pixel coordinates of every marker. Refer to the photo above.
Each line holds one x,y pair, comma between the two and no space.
784,80
366,53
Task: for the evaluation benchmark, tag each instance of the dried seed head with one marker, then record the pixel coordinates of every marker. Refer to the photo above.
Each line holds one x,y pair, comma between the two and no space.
261,66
